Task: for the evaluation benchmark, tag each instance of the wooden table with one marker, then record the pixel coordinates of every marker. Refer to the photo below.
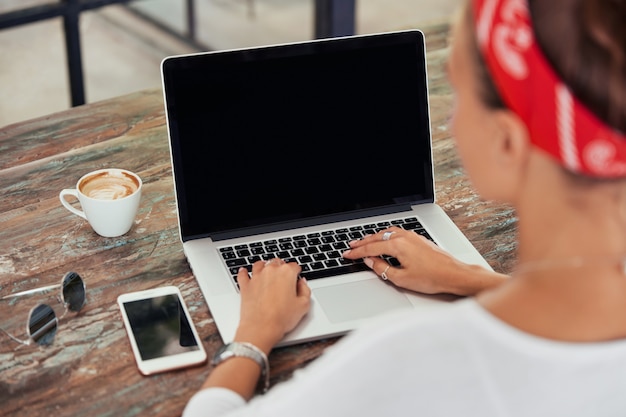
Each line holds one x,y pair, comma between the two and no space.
90,370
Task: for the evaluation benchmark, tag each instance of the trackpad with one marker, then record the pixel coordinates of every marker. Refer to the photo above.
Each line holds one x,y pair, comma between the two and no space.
358,300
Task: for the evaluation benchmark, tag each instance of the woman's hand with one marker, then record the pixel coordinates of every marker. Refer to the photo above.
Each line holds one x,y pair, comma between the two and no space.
425,267
273,301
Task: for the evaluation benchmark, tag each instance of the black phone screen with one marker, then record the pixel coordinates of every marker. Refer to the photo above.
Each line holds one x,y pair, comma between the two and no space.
160,327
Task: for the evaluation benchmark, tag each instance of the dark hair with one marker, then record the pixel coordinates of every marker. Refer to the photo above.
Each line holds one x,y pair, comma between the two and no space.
585,42
487,90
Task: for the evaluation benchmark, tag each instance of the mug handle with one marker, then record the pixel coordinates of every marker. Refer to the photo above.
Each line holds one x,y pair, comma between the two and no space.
67,205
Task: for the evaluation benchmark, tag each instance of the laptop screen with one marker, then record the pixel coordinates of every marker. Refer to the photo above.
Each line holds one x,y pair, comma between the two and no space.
299,133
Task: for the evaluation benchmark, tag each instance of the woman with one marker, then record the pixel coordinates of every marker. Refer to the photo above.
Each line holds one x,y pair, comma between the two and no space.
539,119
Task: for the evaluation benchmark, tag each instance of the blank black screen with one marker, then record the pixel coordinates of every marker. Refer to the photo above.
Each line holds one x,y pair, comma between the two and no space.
298,132
160,327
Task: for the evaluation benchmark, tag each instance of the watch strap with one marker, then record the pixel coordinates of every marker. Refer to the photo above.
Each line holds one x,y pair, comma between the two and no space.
245,350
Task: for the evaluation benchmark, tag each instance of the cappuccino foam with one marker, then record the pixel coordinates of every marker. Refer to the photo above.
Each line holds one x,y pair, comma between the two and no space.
109,185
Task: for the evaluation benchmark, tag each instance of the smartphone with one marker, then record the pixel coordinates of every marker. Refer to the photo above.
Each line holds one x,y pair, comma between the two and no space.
160,330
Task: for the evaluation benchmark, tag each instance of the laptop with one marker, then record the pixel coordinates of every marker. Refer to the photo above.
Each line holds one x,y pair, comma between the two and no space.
293,150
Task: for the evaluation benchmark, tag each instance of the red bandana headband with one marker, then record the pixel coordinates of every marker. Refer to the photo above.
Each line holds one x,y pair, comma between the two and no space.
557,122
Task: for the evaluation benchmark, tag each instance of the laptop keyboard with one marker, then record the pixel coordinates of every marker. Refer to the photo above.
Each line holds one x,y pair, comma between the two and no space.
318,254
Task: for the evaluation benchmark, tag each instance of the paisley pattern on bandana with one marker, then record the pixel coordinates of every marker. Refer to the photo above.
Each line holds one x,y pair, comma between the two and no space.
557,121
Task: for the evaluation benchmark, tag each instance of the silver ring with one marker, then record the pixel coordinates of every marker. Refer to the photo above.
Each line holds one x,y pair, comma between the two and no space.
384,274
387,235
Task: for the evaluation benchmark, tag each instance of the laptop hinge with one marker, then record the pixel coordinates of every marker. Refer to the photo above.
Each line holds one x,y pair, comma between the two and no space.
296,224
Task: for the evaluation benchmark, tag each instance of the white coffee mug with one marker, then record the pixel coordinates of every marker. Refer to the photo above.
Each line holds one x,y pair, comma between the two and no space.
109,199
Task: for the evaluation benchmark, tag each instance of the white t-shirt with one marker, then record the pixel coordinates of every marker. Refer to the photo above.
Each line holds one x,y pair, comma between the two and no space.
457,360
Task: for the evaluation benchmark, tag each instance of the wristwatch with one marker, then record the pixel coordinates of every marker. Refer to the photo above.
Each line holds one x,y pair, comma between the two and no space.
245,350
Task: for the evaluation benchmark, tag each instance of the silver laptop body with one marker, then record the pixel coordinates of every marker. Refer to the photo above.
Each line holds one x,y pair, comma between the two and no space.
275,145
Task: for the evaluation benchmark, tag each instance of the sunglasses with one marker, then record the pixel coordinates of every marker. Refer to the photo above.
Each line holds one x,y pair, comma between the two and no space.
42,321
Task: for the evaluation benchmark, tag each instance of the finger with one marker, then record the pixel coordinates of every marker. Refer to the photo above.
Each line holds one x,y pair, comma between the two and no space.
388,233
302,288
383,235
296,267
257,267
381,268
274,262
374,248
243,278
293,268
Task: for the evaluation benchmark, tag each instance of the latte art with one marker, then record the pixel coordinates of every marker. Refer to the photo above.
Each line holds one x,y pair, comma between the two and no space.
109,185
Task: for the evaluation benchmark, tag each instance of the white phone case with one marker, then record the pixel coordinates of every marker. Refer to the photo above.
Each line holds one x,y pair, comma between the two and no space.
160,346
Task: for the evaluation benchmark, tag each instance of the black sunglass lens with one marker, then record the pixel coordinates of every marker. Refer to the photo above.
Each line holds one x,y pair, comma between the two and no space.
73,291
42,324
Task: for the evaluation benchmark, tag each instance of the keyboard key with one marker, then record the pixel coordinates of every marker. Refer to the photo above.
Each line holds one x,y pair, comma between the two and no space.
271,248
331,263
423,233
341,246
413,226
325,248
228,255
305,259
235,262
317,266
346,269
258,251
300,243
243,253
319,257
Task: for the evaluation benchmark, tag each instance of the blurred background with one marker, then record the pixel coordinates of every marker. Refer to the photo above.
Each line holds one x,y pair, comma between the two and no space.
122,45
